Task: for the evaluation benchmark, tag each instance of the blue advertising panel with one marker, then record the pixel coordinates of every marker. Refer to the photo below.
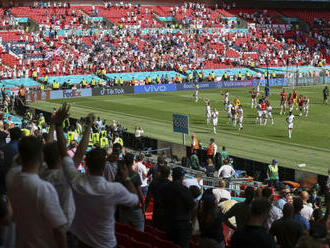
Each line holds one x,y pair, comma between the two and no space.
181,123
154,88
272,82
215,85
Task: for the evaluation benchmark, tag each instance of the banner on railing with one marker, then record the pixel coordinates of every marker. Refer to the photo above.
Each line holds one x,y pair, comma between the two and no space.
154,88
116,90
62,94
215,85
271,82
34,96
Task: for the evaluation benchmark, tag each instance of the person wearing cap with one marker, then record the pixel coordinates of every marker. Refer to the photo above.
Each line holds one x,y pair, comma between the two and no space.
178,202
272,173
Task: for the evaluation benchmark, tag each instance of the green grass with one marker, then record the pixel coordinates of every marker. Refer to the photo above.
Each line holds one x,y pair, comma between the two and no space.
310,143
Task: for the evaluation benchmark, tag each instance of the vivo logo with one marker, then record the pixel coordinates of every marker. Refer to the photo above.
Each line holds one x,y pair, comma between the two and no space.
71,93
154,88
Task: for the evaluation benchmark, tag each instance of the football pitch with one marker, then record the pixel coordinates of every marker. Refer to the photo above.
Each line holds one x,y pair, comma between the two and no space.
310,143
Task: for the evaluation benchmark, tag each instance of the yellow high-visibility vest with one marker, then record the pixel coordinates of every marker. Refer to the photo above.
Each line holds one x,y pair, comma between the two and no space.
104,142
95,138
70,136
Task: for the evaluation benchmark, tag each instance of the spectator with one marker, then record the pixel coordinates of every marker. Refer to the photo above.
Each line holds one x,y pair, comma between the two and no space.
141,169
286,230
226,171
111,166
210,219
53,173
196,181
153,171
253,234
158,216
307,210
194,160
220,193
210,168
9,151
241,211
133,216
37,211
283,198
178,203
298,206
95,198
274,213
224,155
196,194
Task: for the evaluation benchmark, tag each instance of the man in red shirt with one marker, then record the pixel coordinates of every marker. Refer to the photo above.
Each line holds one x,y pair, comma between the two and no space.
301,104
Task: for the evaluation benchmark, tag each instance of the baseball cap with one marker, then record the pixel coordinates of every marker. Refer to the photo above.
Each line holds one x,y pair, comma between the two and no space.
275,161
178,172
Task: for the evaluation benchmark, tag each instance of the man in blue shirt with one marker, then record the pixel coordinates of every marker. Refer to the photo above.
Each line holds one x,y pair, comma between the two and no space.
298,206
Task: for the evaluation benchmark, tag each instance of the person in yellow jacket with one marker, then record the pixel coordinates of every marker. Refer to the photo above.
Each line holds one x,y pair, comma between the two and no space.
225,76
121,81
273,75
115,81
95,138
247,75
55,85
104,72
34,75
119,140
190,77
70,136
239,76
25,131
42,87
104,142
100,82
83,83
158,80
45,81
93,83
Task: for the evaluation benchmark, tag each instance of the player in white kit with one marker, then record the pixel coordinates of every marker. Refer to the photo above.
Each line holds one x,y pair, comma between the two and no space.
259,114
208,111
196,92
215,115
289,119
226,98
228,110
240,117
234,115
269,114
306,106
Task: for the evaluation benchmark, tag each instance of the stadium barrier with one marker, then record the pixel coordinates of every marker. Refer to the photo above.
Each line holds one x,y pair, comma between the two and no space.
63,94
303,81
116,90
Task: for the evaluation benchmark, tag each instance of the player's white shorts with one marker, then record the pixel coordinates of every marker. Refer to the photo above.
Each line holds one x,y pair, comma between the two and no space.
229,114
306,108
290,125
215,122
240,119
269,115
259,113
208,115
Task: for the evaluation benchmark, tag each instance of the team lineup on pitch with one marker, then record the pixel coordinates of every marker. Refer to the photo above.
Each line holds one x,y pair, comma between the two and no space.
310,139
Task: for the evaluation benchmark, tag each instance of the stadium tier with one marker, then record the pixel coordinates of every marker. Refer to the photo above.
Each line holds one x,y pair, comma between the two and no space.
126,38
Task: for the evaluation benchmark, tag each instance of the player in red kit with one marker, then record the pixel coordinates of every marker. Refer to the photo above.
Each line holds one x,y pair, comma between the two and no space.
284,100
264,111
290,102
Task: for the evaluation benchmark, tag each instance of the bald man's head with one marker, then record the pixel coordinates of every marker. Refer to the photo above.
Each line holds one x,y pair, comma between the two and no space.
304,196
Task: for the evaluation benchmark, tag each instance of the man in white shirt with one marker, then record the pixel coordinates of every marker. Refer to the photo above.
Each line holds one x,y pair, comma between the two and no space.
196,181
96,199
221,192
307,210
141,169
226,171
37,211
53,173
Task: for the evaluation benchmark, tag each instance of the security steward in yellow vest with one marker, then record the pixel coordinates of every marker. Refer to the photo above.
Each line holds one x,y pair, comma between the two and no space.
104,142
200,76
225,76
55,85
83,83
239,76
213,75
190,77
115,81
121,81
45,81
42,87
25,131
273,75
272,173
95,138
158,79
70,137
247,75
34,75
93,83
99,82
119,141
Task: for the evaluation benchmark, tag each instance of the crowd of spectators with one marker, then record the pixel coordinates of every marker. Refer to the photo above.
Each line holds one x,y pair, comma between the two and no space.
58,195
126,49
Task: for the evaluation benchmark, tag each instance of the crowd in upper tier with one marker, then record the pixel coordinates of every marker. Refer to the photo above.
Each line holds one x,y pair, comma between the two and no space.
66,39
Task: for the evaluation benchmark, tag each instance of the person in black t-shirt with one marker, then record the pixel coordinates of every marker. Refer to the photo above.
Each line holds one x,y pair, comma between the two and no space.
158,216
286,230
178,204
254,235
